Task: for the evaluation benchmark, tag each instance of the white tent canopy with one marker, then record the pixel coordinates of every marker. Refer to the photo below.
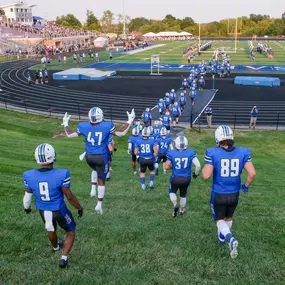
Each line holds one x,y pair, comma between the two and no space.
150,34
101,42
185,34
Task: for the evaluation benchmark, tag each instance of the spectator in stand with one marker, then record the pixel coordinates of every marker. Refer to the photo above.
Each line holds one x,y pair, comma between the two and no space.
253,118
209,114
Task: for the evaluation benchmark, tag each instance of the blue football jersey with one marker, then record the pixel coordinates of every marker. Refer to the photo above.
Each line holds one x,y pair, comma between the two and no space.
181,161
163,144
166,119
172,95
97,136
156,131
46,186
161,105
167,100
228,166
132,140
146,148
146,116
193,93
175,110
182,100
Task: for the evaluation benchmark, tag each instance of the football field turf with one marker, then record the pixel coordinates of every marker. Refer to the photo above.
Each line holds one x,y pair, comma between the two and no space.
137,241
172,52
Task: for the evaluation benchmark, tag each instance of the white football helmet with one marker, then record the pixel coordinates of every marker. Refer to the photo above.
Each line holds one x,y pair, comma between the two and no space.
135,131
146,132
181,143
166,94
150,130
95,115
223,133
147,109
182,94
172,90
45,154
156,123
167,113
163,131
161,100
175,103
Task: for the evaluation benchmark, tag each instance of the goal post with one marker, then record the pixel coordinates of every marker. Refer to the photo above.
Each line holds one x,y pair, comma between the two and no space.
154,65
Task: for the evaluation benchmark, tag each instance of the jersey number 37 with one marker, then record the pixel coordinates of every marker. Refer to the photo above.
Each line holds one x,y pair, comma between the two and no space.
229,167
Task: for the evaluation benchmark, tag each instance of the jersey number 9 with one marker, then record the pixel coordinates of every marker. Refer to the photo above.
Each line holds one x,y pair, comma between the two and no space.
43,186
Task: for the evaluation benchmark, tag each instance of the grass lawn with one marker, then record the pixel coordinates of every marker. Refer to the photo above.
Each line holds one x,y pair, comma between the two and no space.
172,52
137,241
4,58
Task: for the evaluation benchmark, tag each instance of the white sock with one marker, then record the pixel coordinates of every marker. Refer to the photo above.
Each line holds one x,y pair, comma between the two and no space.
108,175
64,257
223,227
101,192
230,223
173,197
94,177
183,202
163,166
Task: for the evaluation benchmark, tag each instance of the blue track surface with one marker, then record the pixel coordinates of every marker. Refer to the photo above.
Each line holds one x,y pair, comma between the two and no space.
183,67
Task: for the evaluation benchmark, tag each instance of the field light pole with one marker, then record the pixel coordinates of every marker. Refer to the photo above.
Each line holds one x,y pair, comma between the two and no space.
124,16
236,29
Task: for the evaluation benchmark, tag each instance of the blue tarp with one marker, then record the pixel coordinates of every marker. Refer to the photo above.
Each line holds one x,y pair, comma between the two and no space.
37,18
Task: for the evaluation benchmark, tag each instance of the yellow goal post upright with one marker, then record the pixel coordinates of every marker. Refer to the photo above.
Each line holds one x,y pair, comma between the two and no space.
235,33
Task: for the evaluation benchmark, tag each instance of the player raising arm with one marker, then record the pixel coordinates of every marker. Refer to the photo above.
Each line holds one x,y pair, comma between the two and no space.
225,163
97,134
49,186
180,160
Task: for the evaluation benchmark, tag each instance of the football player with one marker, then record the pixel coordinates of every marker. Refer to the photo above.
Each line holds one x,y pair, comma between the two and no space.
131,148
97,134
193,94
146,148
49,186
161,106
201,82
166,120
176,113
225,163
184,84
166,100
156,129
146,117
180,160
164,143
182,101
172,96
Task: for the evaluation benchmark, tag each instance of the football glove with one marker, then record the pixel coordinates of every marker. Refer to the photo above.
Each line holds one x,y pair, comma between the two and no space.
65,120
194,175
28,211
244,188
82,156
131,116
156,165
115,149
80,213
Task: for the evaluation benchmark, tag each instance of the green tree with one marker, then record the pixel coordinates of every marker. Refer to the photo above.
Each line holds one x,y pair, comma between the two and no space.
91,21
186,22
69,21
107,21
137,23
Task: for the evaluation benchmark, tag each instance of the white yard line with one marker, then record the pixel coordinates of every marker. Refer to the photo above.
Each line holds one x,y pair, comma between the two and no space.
145,49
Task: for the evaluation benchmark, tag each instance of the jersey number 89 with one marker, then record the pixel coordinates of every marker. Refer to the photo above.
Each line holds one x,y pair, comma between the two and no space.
229,167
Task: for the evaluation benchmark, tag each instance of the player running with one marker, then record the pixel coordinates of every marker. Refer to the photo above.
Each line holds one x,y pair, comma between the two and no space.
164,143
166,101
161,106
166,120
156,129
131,148
180,160
49,186
172,96
176,113
97,134
225,163
193,94
182,101
147,150
146,117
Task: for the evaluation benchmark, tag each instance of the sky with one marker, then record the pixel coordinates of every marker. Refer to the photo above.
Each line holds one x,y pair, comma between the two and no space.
156,9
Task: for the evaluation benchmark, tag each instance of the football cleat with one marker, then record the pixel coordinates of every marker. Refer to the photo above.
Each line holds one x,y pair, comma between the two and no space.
63,263
221,238
233,245
99,209
175,210
143,187
181,213
151,185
